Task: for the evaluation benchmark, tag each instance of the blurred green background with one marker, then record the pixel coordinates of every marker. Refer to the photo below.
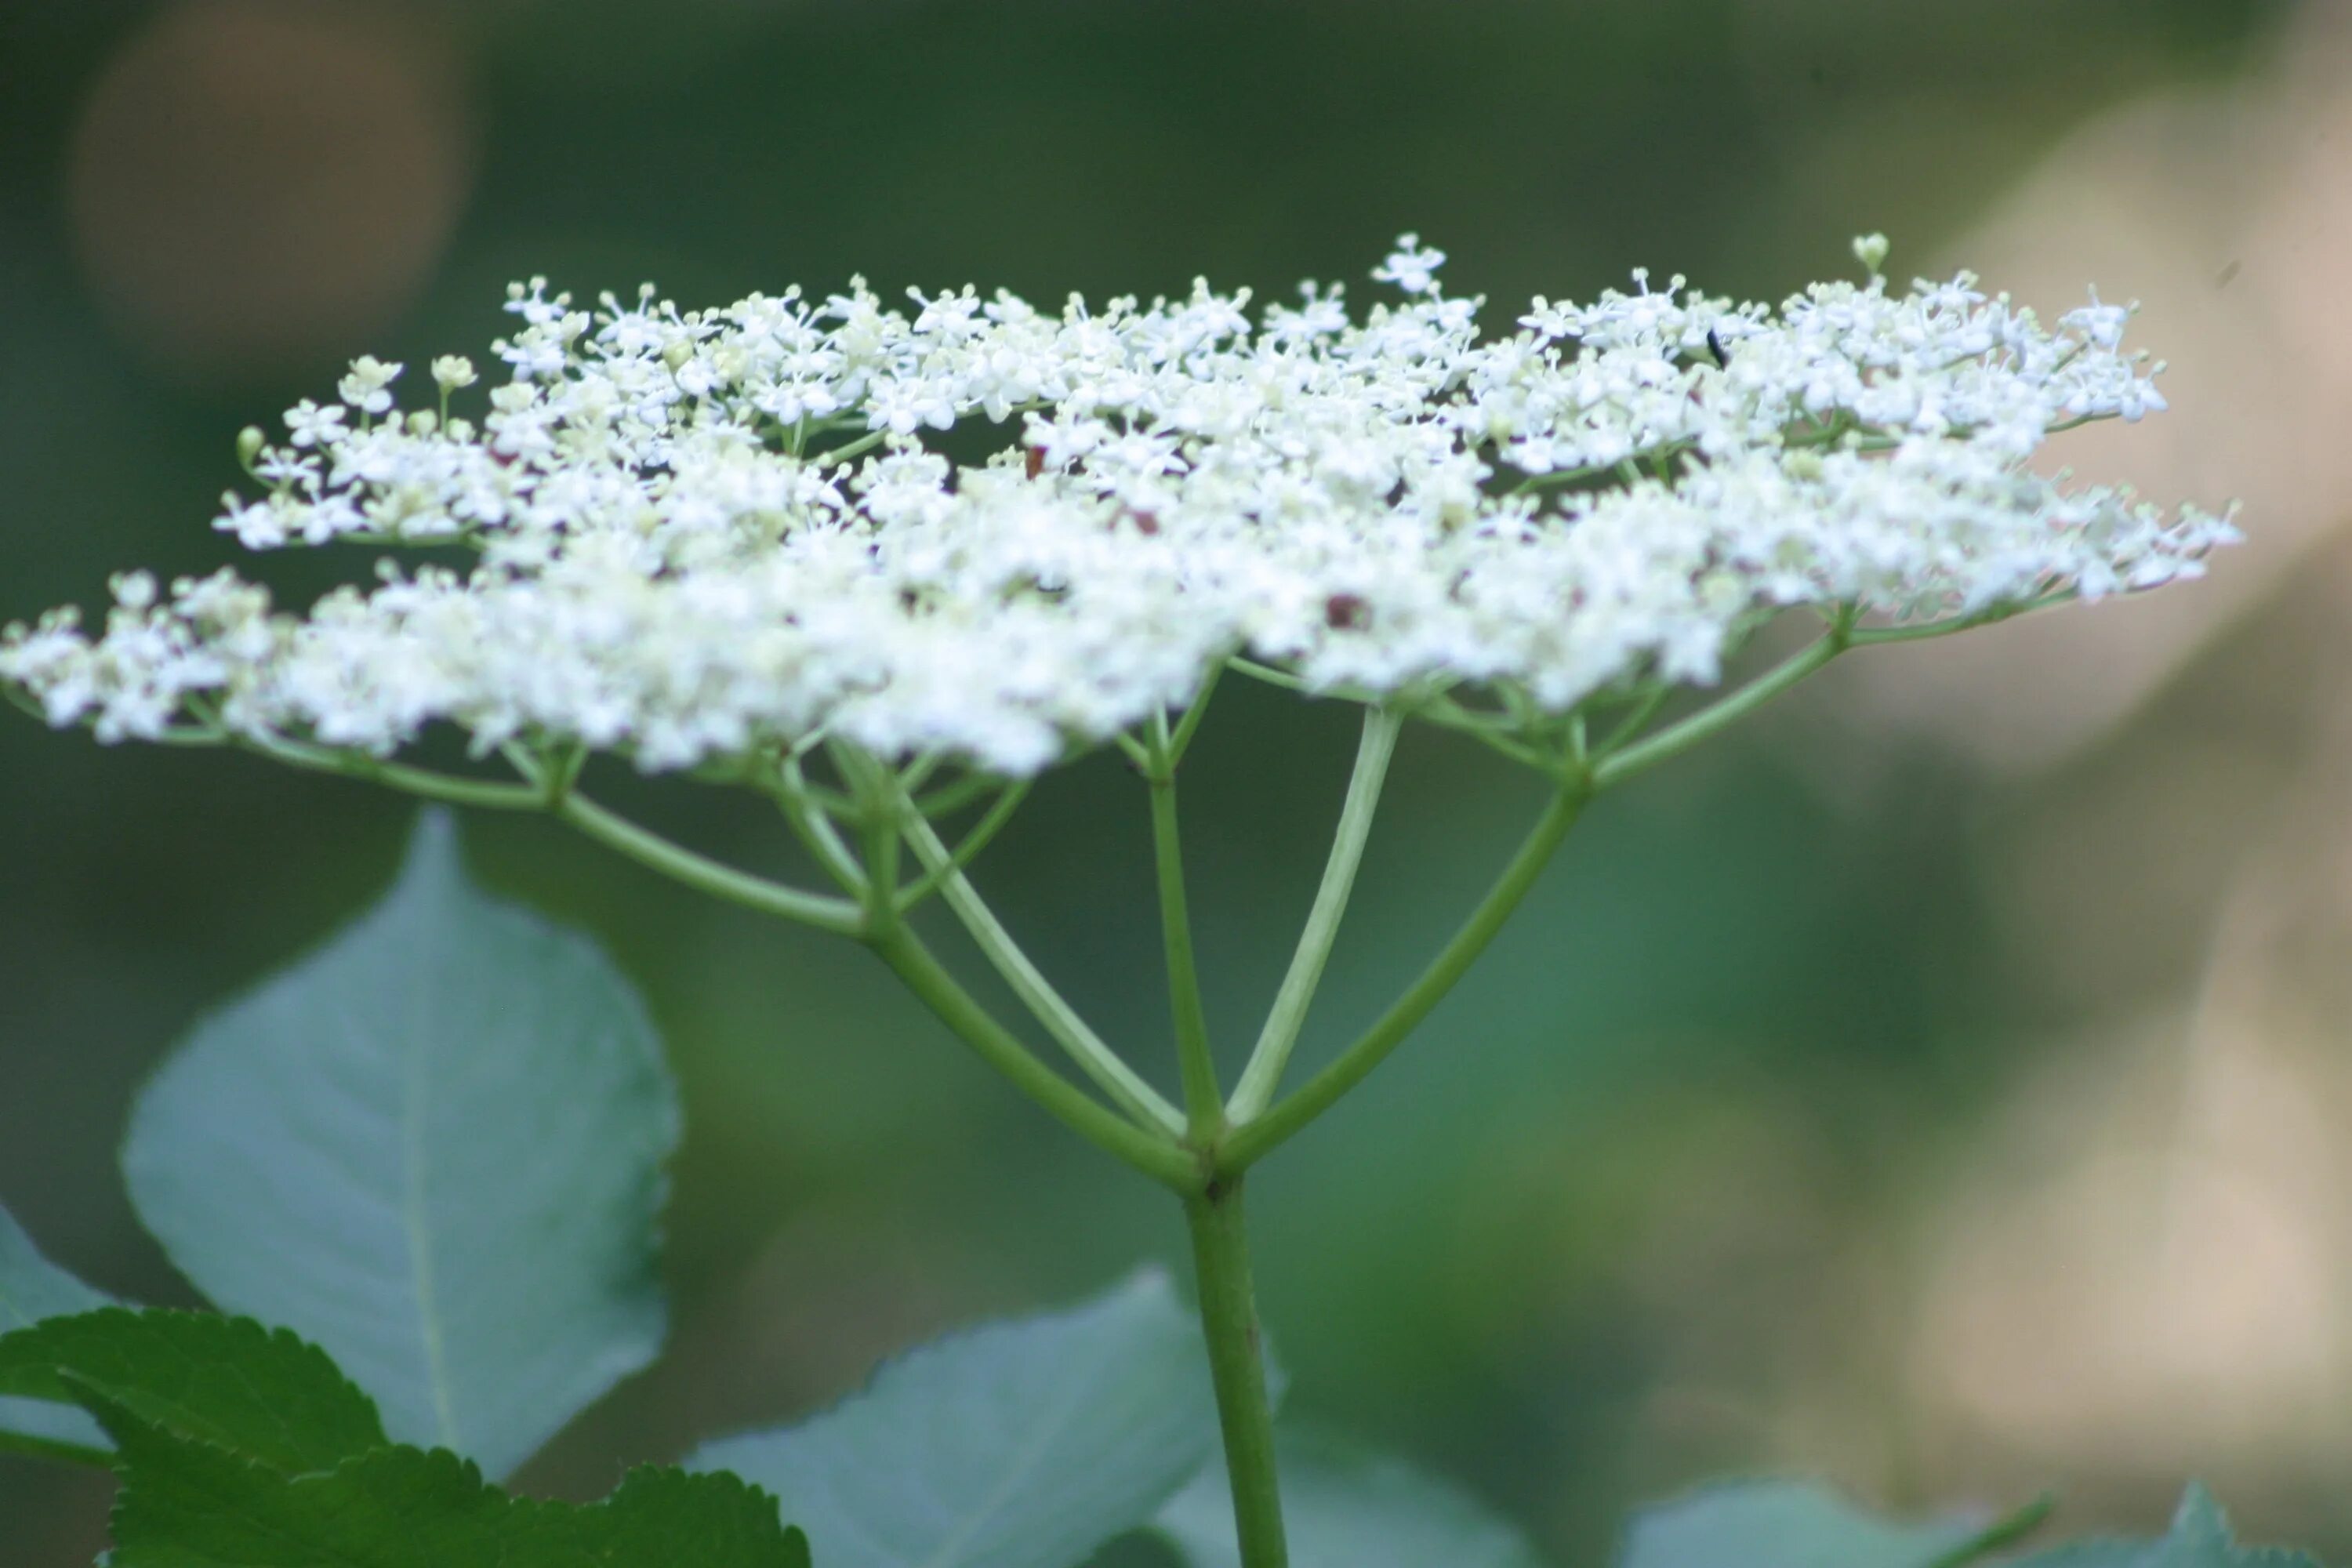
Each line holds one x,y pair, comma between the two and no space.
1938,1087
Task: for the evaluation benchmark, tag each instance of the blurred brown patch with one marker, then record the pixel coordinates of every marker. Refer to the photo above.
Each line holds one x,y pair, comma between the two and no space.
257,185
2147,1267
2240,184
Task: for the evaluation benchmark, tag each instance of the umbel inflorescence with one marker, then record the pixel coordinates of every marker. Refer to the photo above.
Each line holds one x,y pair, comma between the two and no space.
734,541
698,536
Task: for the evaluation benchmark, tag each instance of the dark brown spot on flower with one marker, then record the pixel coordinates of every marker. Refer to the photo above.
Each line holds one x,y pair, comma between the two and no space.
1347,612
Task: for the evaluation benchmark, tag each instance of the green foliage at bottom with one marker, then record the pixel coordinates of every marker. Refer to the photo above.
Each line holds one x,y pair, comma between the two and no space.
1013,1447
1783,1524
1018,1444
2199,1538
240,1447
1348,1507
226,1382
189,1505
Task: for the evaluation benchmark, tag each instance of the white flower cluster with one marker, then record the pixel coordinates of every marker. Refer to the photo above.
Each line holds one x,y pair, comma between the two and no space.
692,534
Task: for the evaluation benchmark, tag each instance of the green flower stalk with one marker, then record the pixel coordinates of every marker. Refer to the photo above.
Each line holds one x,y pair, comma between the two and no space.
724,544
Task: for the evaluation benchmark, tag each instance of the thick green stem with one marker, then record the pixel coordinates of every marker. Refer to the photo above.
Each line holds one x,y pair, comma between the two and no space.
701,872
1237,1366
1288,1015
1204,1105
448,788
967,849
1622,762
1918,631
951,798
805,810
1252,1140
1189,725
675,861
1095,1060
1678,738
1156,1157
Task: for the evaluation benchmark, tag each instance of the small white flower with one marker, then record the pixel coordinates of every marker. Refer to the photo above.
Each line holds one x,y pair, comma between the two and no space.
309,425
452,373
133,590
368,387
1411,266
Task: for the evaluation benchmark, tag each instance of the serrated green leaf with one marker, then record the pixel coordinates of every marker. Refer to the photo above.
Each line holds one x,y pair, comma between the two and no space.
266,1397
665,1517
2199,1538
1344,1506
1019,1445
435,1148
1783,1524
189,1505
32,1288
